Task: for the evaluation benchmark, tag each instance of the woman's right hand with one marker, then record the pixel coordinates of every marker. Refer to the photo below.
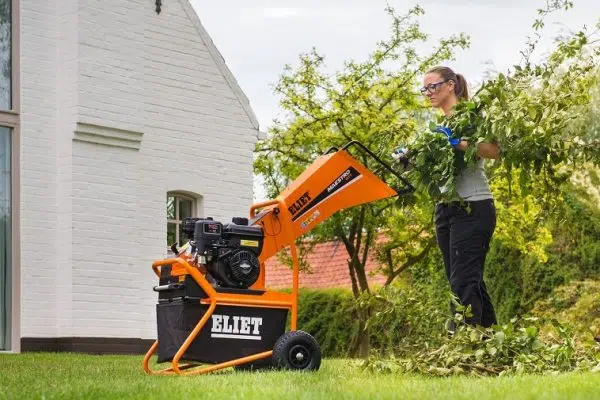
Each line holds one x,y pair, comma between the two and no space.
402,155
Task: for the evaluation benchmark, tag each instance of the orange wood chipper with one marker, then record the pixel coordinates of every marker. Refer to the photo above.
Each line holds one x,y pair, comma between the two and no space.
213,308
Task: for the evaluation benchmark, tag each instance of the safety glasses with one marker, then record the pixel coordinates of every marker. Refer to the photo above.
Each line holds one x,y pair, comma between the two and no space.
432,87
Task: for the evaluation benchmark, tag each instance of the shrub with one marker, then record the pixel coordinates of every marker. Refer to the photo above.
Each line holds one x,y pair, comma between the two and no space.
400,316
330,316
576,305
517,281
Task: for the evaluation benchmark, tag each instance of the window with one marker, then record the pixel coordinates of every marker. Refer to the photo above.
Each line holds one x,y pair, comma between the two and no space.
9,176
5,238
5,55
179,206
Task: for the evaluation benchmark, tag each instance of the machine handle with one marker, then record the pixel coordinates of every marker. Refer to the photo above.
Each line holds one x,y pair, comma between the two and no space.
156,265
169,287
409,187
261,205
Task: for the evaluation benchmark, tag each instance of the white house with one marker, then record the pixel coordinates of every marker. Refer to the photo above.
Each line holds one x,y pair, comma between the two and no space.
119,117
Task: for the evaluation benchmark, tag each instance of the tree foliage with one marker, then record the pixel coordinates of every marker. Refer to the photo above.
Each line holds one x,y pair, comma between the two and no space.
518,278
368,102
532,111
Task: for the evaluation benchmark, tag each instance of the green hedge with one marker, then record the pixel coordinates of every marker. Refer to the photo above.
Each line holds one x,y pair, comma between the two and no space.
330,316
575,305
407,313
516,282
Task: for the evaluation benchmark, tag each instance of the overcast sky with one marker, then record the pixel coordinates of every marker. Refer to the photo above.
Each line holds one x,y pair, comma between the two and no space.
257,38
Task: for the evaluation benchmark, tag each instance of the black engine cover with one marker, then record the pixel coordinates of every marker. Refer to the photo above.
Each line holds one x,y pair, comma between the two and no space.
238,269
240,236
231,250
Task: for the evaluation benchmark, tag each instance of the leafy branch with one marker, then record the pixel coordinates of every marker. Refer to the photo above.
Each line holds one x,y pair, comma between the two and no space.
528,111
512,348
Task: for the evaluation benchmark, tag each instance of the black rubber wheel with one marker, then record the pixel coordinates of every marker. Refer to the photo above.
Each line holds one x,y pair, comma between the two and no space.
297,350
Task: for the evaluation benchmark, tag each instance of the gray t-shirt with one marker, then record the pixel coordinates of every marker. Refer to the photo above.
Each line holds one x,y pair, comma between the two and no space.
472,184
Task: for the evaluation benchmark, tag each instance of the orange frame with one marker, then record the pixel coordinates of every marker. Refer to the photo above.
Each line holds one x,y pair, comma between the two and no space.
270,299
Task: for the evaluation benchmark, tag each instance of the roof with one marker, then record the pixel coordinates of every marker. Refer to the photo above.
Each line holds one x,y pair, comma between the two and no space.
220,61
328,268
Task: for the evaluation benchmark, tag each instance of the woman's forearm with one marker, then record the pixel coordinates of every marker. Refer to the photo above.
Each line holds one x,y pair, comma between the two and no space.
485,150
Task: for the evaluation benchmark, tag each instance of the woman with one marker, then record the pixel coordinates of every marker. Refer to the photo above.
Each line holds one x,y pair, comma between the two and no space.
464,236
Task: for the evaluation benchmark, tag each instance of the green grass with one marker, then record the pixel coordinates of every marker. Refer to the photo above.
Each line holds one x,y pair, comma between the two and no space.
66,376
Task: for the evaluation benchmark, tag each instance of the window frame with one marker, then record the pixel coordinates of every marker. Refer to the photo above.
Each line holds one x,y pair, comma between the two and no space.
177,221
12,119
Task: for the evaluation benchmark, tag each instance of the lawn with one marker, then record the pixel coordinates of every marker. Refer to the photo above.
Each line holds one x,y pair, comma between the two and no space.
66,376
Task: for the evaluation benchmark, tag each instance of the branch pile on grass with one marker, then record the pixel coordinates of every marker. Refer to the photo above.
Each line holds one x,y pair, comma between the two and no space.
511,348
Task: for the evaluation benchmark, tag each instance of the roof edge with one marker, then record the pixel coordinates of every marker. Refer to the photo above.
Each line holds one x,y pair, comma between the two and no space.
220,61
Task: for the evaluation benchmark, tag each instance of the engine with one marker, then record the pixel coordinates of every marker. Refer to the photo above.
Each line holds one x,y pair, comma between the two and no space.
228,252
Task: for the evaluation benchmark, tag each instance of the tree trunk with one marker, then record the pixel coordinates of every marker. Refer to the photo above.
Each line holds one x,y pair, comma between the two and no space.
356,266
362,345
355,289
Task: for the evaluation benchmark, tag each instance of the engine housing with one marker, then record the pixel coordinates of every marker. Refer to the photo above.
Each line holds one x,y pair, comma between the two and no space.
228,251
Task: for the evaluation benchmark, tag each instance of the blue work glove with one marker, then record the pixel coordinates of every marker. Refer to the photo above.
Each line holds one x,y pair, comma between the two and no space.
448,132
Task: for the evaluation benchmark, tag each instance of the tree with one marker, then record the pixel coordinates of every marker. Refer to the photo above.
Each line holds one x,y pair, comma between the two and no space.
375,106
376,103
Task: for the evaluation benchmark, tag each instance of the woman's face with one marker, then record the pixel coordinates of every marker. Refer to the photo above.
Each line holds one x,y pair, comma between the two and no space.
437,89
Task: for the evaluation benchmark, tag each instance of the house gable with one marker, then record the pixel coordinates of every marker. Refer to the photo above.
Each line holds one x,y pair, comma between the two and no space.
220,62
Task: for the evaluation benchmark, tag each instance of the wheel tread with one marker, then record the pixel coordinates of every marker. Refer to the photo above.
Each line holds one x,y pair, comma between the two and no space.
280,353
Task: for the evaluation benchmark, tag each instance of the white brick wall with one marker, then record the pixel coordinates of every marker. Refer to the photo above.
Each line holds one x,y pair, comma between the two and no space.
39,173
94,215
67,78
106,271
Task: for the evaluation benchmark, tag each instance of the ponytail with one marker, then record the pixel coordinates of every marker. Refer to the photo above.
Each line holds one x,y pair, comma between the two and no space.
461,89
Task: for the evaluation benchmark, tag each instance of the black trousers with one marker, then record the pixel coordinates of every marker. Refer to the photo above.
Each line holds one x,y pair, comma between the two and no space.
463,234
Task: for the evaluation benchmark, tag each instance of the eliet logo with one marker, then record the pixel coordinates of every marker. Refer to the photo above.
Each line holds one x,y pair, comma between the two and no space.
236,327
298,204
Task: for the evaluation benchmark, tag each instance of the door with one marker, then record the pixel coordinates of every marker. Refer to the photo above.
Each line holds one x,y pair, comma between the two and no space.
5,237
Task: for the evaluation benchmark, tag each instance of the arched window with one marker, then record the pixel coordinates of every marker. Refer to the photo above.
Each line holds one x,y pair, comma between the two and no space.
179,206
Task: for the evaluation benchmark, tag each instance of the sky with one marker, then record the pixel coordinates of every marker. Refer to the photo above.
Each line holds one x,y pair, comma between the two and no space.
258,37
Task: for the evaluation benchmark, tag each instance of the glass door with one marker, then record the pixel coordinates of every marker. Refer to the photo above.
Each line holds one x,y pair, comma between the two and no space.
9,153
5,237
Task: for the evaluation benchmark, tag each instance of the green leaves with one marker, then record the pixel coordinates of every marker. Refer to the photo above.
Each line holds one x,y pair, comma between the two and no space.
371,103
512,348
531,112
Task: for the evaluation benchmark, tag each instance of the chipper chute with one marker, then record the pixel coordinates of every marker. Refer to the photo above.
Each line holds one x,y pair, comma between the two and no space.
213,307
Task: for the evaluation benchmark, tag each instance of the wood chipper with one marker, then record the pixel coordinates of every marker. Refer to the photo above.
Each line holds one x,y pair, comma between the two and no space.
213,307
